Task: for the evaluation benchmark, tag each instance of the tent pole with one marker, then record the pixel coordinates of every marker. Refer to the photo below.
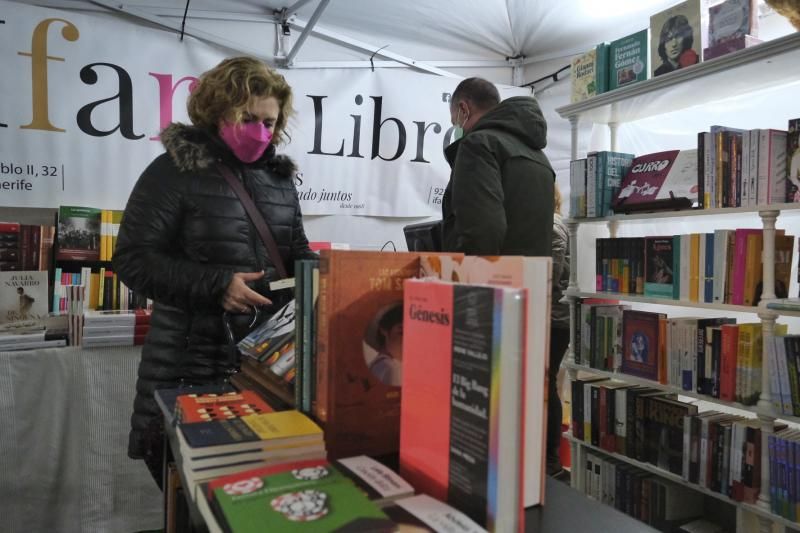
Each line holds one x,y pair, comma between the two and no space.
306,31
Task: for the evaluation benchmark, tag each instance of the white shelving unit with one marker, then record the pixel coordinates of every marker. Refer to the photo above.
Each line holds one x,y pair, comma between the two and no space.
767,65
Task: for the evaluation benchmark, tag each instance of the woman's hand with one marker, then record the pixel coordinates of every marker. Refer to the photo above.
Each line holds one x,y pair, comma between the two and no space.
239,297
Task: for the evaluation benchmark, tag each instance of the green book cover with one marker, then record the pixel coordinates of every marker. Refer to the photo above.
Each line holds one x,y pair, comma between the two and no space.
612,167
307,498
601,69
628,60
78,233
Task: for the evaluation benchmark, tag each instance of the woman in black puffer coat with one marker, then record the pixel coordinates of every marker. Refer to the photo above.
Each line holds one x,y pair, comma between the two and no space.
186,242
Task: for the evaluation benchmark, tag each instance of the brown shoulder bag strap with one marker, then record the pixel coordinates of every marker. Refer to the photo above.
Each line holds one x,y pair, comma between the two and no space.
258,221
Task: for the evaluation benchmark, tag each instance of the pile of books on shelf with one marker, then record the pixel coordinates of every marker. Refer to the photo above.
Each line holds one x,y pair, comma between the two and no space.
25,247
715,357
723,267
730,168
114,328
662,504
717,30
713,450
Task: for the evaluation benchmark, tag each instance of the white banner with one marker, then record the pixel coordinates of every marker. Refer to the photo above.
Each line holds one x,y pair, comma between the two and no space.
84,97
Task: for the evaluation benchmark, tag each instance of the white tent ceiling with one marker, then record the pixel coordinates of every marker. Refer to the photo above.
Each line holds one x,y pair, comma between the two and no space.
450,34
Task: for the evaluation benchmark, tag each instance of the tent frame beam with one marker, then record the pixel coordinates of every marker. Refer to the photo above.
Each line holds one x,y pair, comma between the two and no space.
361,46
306,31
197,33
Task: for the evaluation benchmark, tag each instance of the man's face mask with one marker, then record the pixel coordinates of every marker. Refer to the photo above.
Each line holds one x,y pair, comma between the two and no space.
458,127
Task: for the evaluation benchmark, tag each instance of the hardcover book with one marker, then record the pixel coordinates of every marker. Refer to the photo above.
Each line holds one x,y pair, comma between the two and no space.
78,233
677,37
305,496
359,349
534,275
731,20
657,178
641,341
463,413
629,60
23,297
590,73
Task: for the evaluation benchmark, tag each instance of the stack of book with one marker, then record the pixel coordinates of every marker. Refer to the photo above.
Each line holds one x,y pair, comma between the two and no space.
723,267
713,450
235,441
660,503
25,247
353,494
115,328
712,356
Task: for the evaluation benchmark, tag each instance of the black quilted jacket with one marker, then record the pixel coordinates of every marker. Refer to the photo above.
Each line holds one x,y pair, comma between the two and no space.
182,237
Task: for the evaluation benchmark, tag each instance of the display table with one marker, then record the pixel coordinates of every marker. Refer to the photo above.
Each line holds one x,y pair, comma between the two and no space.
63,464
566,509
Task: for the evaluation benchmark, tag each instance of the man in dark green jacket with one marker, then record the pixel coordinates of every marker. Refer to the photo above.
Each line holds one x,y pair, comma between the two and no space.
499,200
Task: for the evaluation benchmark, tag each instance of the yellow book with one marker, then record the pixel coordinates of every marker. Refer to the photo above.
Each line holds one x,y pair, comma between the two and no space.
101,284
694,266
748,375
103,235
753,267
94,290
289,427
116,218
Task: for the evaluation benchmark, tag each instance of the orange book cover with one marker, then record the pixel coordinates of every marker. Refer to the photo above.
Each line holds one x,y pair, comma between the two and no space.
359,349
729,364
192,408
463,418
694,266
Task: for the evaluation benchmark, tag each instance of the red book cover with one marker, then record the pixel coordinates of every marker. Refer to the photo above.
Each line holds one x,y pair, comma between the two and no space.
654,176
463,409
728,363
192,408
739,262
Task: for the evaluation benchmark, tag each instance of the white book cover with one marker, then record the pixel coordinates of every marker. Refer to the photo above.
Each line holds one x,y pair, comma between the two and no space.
709,172
677,37
772,167
783,375
701,269
436,515
23,297
721,238
752,172
24,345
745,172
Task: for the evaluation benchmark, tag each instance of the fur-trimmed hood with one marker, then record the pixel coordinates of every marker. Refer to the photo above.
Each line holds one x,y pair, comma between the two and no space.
193,149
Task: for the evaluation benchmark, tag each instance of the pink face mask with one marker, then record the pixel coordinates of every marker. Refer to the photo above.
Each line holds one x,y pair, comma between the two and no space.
247,141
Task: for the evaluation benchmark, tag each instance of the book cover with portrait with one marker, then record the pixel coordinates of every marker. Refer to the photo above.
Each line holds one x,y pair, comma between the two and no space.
640,343
629,60
359,349
23,297
677,36
793,161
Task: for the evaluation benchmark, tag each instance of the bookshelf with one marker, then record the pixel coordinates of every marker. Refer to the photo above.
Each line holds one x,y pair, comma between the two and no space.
767,65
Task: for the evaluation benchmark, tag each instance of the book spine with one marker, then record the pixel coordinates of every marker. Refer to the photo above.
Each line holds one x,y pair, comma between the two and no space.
591,185
701,163
323,340
777,166
694,266
728,363
753,170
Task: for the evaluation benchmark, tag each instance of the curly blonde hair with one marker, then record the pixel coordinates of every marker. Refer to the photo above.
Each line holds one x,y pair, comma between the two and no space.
226,90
